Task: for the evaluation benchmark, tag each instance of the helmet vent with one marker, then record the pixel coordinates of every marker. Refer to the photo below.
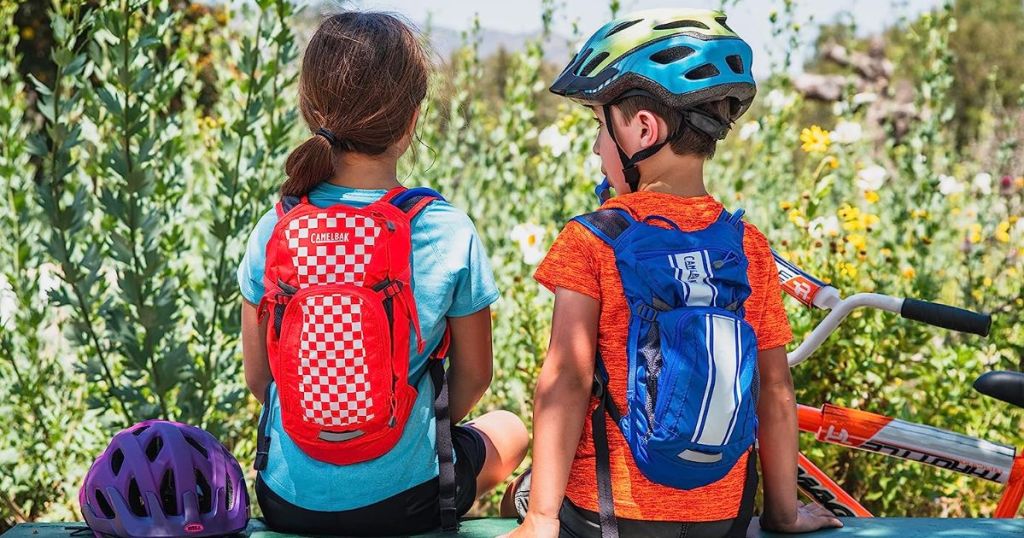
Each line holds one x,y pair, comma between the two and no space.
195,444
116,461
670,55
620,27
139,431
229,499
579,59
593,64
135,502
721,20
153,448
682,23
101,500
204,493
168,496
703,72
735,63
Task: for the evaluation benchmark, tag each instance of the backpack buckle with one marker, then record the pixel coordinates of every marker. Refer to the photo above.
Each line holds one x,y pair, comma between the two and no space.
645,312
388,288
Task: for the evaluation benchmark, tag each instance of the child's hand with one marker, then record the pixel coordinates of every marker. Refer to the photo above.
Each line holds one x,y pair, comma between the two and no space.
535,527
809,517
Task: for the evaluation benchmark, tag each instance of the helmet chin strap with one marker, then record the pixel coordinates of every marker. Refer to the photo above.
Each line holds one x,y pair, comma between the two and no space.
629,169
698,120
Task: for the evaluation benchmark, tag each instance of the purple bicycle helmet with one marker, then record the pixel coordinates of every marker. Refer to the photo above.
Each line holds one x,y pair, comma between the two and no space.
160,479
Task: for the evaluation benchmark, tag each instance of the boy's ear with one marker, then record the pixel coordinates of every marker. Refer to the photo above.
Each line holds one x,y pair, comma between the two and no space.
651,127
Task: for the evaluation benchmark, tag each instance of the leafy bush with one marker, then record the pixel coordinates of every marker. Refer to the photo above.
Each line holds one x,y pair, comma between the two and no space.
132,179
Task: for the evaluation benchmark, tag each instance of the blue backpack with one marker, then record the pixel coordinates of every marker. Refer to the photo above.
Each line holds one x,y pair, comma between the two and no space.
693,383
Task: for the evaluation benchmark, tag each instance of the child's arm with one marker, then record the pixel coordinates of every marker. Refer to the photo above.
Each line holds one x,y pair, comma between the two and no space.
472,362
777,441
254,351
560,406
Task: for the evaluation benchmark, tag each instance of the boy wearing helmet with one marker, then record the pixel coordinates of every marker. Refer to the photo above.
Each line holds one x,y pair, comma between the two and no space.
667,346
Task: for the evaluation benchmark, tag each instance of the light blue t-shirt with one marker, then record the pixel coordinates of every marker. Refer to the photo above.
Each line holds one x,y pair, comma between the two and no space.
451,278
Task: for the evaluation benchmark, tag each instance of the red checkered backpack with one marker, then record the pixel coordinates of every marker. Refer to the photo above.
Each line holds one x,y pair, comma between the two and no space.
342,313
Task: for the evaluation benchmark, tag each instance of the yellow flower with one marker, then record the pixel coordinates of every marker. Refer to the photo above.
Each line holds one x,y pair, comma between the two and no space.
832,162
848,212
858,241
987,282
847,269
785,205
921,213
871,196
885,252
815,139
1019,182
1003,232
28,33
909,272
975,234
796,217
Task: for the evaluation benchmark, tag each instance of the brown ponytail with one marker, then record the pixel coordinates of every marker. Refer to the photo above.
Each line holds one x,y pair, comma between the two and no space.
364,75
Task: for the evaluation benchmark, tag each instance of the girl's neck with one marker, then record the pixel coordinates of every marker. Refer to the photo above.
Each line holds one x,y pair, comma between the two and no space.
365,172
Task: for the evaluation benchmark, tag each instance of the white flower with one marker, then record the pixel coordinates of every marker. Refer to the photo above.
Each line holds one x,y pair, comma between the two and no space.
839,108
778,100
749,129
847,132
554,140
530,238
871,178
8,303
822,227
949,185
983,183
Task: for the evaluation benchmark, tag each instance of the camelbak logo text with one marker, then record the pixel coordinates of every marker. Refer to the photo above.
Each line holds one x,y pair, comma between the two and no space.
329,237
690,263
193,528
693,270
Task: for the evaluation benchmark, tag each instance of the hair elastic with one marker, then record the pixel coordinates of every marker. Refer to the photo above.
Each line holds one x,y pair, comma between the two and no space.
331,139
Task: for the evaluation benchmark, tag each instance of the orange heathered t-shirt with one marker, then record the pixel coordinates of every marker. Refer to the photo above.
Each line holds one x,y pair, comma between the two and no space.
581,262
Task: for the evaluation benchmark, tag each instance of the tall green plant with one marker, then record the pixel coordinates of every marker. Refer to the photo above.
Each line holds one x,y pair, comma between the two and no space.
41,400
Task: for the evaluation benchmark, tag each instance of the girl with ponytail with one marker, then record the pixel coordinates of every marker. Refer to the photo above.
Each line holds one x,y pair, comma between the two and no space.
364,76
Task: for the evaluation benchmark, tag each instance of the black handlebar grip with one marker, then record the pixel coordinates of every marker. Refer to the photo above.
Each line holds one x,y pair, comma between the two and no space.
947,317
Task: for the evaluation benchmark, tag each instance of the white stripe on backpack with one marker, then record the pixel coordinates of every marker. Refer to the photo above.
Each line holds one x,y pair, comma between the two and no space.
722,398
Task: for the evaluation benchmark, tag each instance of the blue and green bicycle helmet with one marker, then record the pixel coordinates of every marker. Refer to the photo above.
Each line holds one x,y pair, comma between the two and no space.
682,57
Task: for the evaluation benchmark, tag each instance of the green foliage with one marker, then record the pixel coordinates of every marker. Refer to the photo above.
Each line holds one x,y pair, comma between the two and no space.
131,188
39,388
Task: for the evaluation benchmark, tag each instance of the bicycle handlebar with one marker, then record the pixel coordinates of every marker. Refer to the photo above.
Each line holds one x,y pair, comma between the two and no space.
815,293
947,317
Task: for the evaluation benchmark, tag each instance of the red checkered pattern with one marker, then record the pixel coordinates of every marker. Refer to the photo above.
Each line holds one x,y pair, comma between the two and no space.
332,362
331,249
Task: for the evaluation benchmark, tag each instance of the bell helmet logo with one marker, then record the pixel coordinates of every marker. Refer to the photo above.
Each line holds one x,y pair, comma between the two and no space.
193,528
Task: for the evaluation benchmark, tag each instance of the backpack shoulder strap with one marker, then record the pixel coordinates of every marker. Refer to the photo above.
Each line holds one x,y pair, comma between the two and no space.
412,201
732,219
607,224
287,203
